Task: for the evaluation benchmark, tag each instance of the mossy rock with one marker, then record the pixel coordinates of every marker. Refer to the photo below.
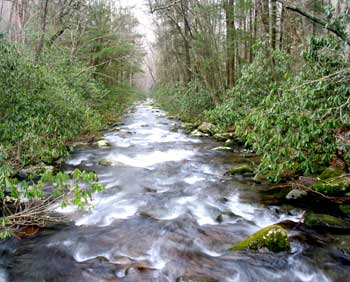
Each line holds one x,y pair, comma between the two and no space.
221,137
105,162
208,128
296,194
273,238
333,186
325,220
331,172
239,170
188,126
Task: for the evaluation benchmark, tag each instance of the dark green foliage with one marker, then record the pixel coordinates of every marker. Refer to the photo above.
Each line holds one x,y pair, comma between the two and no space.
290,119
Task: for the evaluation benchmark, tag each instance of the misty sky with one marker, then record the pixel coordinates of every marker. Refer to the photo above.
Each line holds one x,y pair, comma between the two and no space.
141,11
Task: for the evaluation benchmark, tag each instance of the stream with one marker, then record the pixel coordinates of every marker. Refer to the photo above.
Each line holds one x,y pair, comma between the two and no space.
157,219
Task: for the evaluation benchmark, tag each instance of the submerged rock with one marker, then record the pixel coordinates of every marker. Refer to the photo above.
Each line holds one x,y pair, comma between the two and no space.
296,194
239,170
207,127
326,221
103,143
105,162
273,238
197,133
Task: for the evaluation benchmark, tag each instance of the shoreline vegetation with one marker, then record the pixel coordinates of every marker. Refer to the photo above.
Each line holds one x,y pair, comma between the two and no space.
64,78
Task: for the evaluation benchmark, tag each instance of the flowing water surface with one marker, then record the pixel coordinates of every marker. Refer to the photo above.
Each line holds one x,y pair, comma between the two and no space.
157,219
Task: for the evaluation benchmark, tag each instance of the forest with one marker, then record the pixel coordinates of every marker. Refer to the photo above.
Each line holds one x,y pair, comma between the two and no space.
175,140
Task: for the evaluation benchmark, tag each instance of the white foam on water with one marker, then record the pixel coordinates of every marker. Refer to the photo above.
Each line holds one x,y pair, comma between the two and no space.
77,160
202,214
260,216
151,159
306,273
193,179
205,250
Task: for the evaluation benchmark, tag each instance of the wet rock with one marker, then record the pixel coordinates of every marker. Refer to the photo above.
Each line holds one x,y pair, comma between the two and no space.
273,238
230,142
193,278
225,215
333,186
207,127
239,170
325,221
103,143
307,180
34,171
172,117
197,133
222,148
331,172
188,126
105,162
296,194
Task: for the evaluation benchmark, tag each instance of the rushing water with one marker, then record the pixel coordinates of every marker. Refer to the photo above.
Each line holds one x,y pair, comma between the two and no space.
156,221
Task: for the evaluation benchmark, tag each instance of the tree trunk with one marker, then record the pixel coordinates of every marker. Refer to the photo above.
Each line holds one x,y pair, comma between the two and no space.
43,31
230,42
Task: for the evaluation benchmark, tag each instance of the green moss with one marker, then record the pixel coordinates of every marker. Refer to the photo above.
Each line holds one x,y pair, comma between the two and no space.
325,220
273,237
333,186
239,170
331,172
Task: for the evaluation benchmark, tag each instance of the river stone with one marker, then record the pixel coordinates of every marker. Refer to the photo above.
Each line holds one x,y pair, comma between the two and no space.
330,172
239,170
296,194
105,162
197,133
273,237
195,279
103,143
207,127
325,220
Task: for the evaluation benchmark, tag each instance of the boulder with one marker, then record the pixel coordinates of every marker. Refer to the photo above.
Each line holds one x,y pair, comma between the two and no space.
105,162
230,142
296,194
197,133
325,221
207,127
224,216
103,143
273,237
221,137
239,170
